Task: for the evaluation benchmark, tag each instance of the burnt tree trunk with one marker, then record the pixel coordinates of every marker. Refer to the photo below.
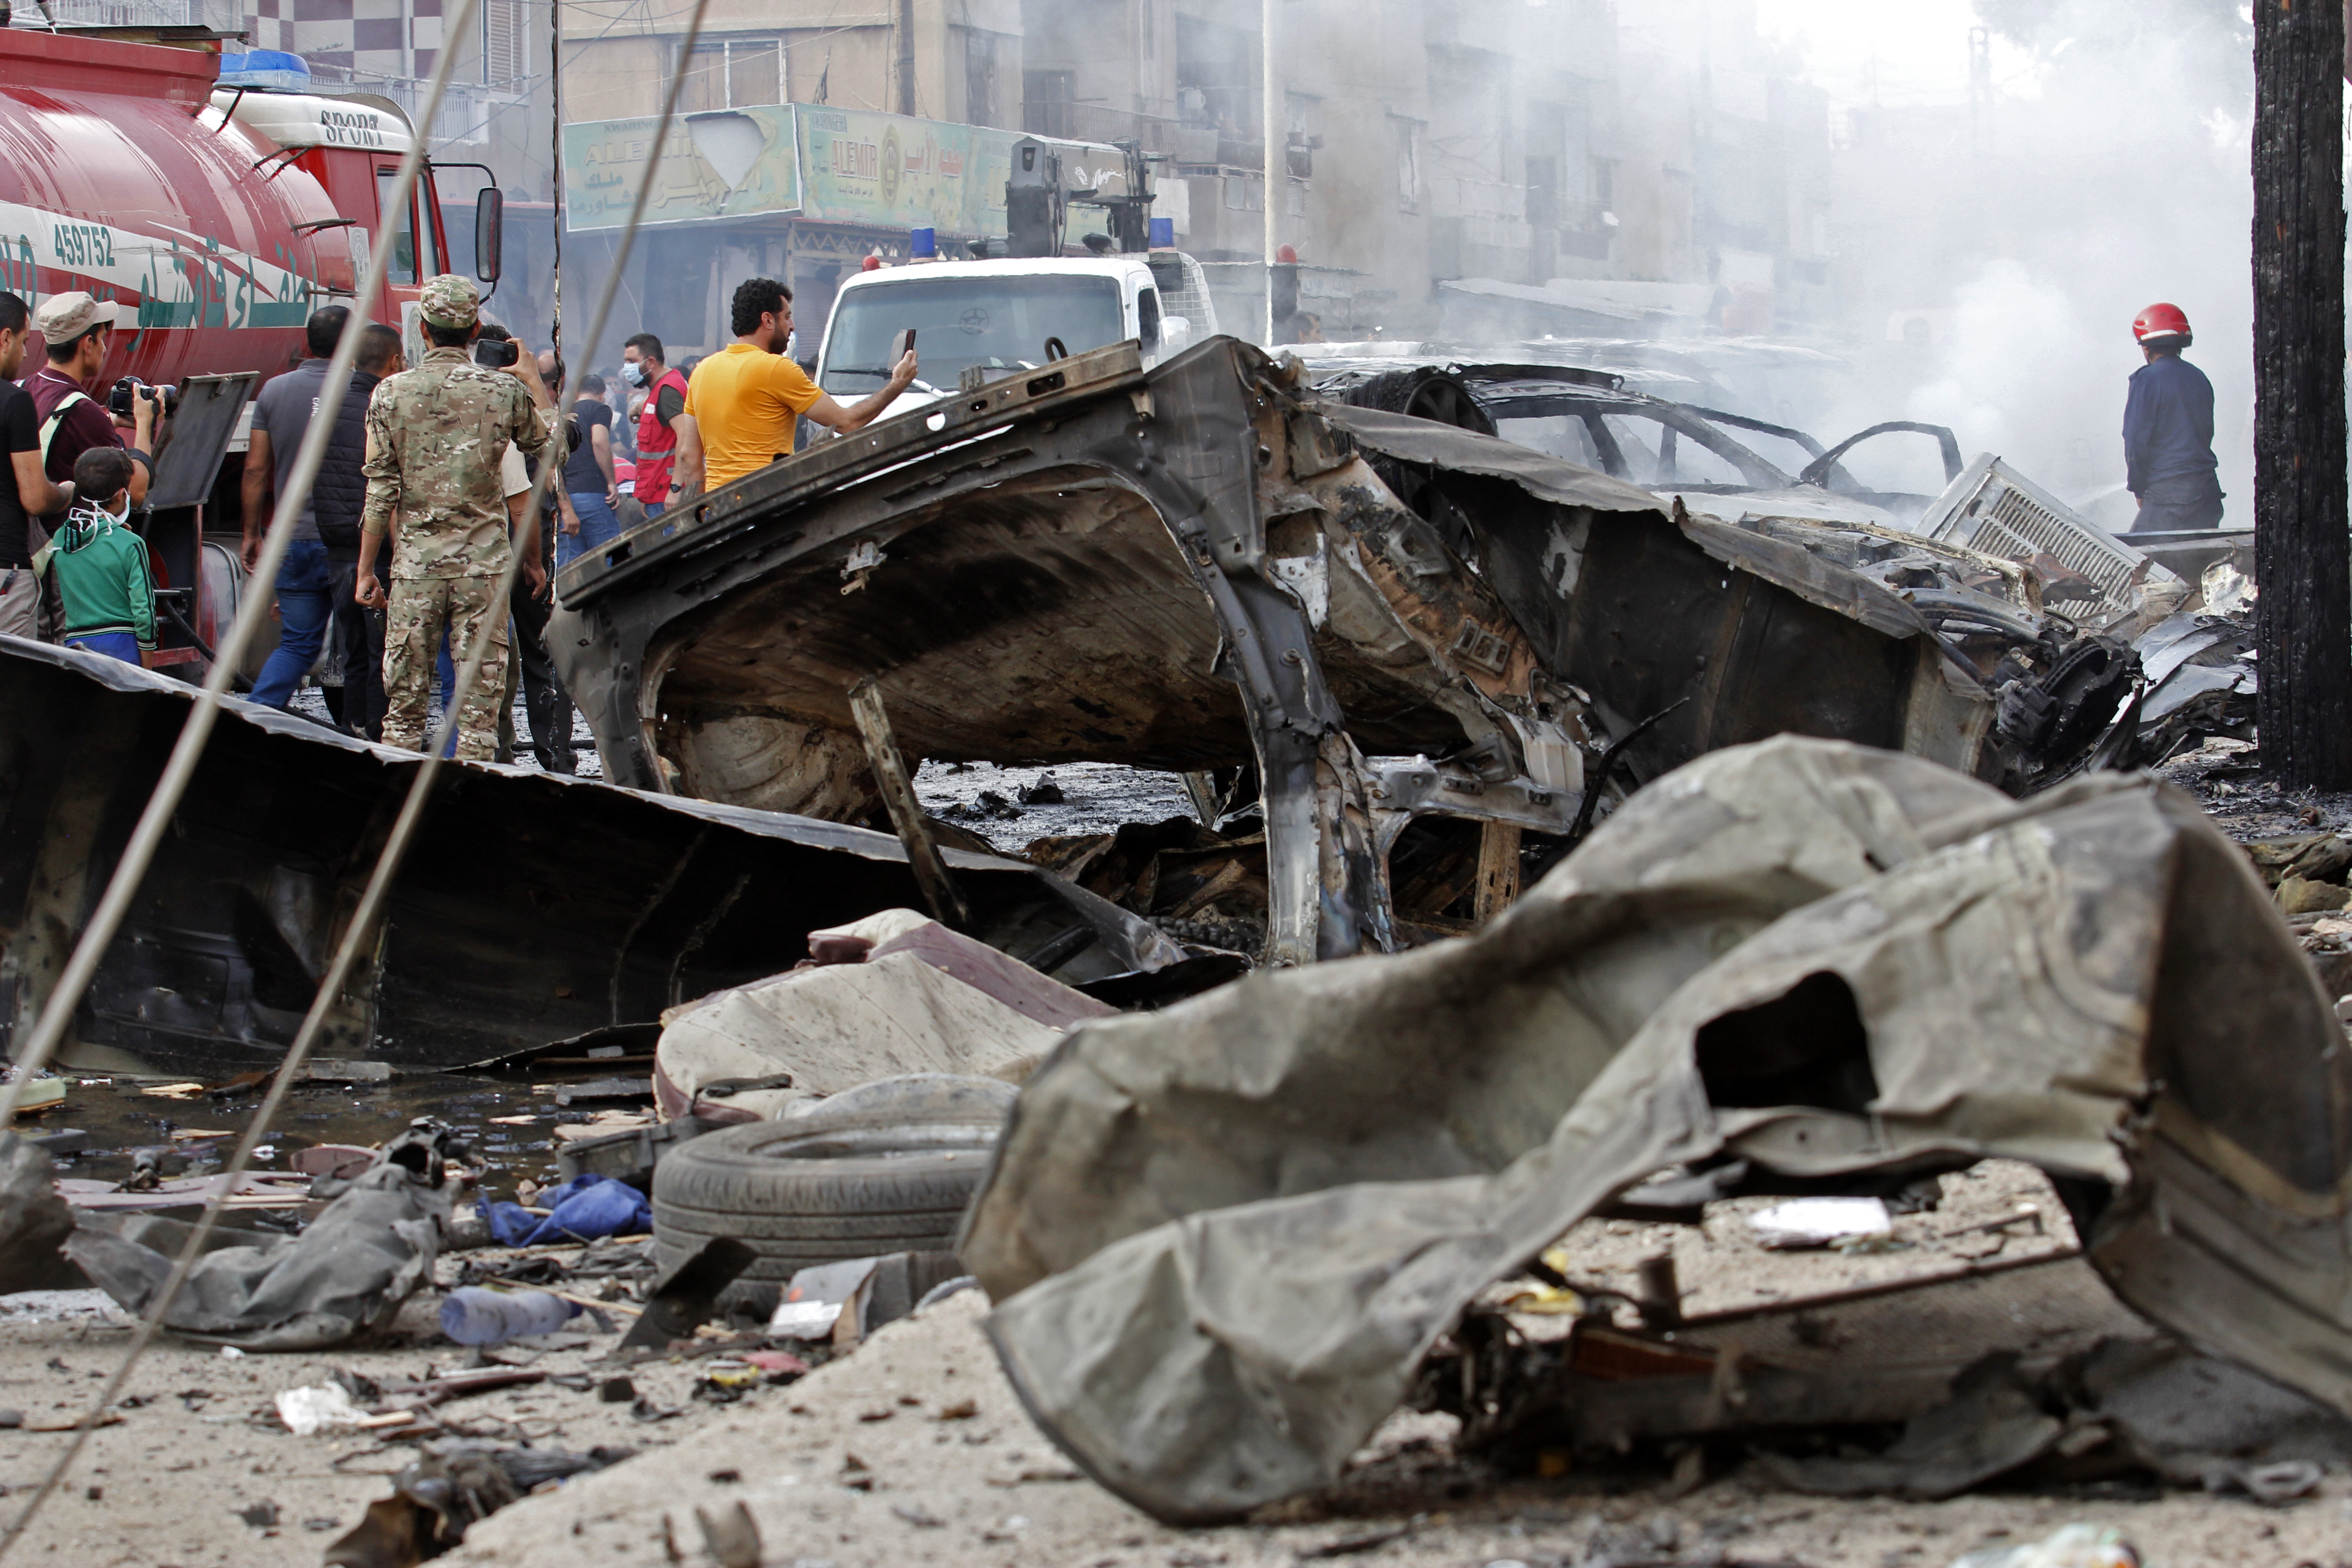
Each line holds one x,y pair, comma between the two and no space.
2303,615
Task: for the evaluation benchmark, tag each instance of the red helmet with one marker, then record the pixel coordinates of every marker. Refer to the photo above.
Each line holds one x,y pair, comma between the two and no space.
2160,321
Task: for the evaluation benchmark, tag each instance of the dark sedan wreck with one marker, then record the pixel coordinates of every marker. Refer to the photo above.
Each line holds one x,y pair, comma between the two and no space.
1094,561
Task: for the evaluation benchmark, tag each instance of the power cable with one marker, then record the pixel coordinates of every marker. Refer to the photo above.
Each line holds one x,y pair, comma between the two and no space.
140,853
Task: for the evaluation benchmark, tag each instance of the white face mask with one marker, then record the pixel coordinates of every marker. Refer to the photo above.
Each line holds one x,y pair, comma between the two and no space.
793,343
634,371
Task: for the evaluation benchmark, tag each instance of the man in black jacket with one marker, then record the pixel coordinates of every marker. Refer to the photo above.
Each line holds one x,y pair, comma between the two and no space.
356,651
314,586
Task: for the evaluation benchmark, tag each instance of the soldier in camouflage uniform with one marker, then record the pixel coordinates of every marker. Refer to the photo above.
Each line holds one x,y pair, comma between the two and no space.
436,436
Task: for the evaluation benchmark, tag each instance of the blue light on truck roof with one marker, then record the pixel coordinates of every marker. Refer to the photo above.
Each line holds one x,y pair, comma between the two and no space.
265,69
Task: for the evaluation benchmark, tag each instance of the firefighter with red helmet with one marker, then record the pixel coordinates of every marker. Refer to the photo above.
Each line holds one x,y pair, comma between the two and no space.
2169,430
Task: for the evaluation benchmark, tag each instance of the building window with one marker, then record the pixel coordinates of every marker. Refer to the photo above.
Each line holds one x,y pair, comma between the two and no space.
506,41
1408,165
1216,76
1047,99
979,77
733,73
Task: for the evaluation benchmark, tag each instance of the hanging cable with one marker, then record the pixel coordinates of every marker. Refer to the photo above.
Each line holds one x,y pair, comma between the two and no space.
357,933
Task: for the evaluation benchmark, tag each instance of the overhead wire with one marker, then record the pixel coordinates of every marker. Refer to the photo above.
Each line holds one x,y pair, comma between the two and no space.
357,937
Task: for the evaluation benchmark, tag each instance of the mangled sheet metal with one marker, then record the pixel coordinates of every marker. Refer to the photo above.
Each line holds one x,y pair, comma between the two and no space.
531,908
351,1269
2025,1370
1206,566
1223,1238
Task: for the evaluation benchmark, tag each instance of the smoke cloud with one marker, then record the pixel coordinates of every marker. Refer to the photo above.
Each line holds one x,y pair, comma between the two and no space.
2109,173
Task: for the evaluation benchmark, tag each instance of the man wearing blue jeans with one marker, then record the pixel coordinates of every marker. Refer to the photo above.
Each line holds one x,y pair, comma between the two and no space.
588,477
306,581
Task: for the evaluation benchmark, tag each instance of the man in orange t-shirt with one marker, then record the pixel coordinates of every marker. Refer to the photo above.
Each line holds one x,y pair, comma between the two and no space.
744,402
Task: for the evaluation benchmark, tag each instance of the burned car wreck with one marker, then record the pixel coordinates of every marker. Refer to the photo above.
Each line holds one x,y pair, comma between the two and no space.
1208,565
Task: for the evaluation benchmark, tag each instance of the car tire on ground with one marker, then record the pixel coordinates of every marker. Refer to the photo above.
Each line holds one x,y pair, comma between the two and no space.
799,1196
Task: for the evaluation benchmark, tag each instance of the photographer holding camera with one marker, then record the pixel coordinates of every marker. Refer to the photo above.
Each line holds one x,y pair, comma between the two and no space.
78,330
436,437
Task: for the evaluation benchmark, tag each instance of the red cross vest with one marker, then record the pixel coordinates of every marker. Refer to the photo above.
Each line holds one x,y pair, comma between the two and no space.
656,444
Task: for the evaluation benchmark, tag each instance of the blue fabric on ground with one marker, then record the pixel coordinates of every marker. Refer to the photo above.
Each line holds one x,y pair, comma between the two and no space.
582,1209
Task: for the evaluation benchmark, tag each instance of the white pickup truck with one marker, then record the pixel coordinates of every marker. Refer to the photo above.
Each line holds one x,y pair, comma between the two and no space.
998,317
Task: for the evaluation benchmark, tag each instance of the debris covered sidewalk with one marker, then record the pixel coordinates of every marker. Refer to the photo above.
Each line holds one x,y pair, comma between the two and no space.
199,1444
934,1484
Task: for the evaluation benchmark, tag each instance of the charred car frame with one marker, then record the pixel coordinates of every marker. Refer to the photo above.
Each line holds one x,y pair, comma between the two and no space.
1092,561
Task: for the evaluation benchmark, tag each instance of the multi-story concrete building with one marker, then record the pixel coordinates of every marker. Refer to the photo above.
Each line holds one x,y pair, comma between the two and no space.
1490,169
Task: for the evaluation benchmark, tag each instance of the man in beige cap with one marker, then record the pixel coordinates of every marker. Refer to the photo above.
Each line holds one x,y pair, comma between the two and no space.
435,438
79,331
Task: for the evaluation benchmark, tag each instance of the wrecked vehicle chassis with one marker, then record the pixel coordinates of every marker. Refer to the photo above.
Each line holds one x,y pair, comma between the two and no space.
1089,561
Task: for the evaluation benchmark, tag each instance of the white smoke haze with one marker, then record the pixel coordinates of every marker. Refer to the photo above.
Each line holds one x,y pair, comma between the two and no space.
2109,172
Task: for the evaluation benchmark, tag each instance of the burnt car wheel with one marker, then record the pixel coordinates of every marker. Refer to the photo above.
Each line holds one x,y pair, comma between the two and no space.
1425,394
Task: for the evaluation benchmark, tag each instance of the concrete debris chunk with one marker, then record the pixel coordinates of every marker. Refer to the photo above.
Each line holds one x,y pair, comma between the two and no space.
908,995
308,1411
2074,1546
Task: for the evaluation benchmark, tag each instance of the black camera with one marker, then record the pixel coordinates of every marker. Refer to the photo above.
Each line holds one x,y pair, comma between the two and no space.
123,399
496,354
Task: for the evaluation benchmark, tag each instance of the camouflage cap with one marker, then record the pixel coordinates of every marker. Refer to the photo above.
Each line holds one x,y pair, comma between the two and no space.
450,300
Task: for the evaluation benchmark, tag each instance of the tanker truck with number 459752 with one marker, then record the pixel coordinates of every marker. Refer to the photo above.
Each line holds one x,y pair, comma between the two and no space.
217,211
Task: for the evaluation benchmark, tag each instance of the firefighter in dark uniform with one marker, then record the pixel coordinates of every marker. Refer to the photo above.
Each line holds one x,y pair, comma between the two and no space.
2169,430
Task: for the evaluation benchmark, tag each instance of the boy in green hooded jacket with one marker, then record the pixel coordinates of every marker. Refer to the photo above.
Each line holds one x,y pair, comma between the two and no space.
101,566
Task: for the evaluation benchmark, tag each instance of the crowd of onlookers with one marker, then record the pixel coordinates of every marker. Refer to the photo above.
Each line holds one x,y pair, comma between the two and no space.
74,563
400,474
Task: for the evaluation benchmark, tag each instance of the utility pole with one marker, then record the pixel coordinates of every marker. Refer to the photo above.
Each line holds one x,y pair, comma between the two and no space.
2303,618
1277,184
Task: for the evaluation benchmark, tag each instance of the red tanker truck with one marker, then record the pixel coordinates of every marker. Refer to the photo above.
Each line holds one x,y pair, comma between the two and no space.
219,218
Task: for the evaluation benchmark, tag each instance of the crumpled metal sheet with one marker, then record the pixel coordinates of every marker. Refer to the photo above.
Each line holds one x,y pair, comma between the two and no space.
1222,1237
1562,483
607,905
366,1253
